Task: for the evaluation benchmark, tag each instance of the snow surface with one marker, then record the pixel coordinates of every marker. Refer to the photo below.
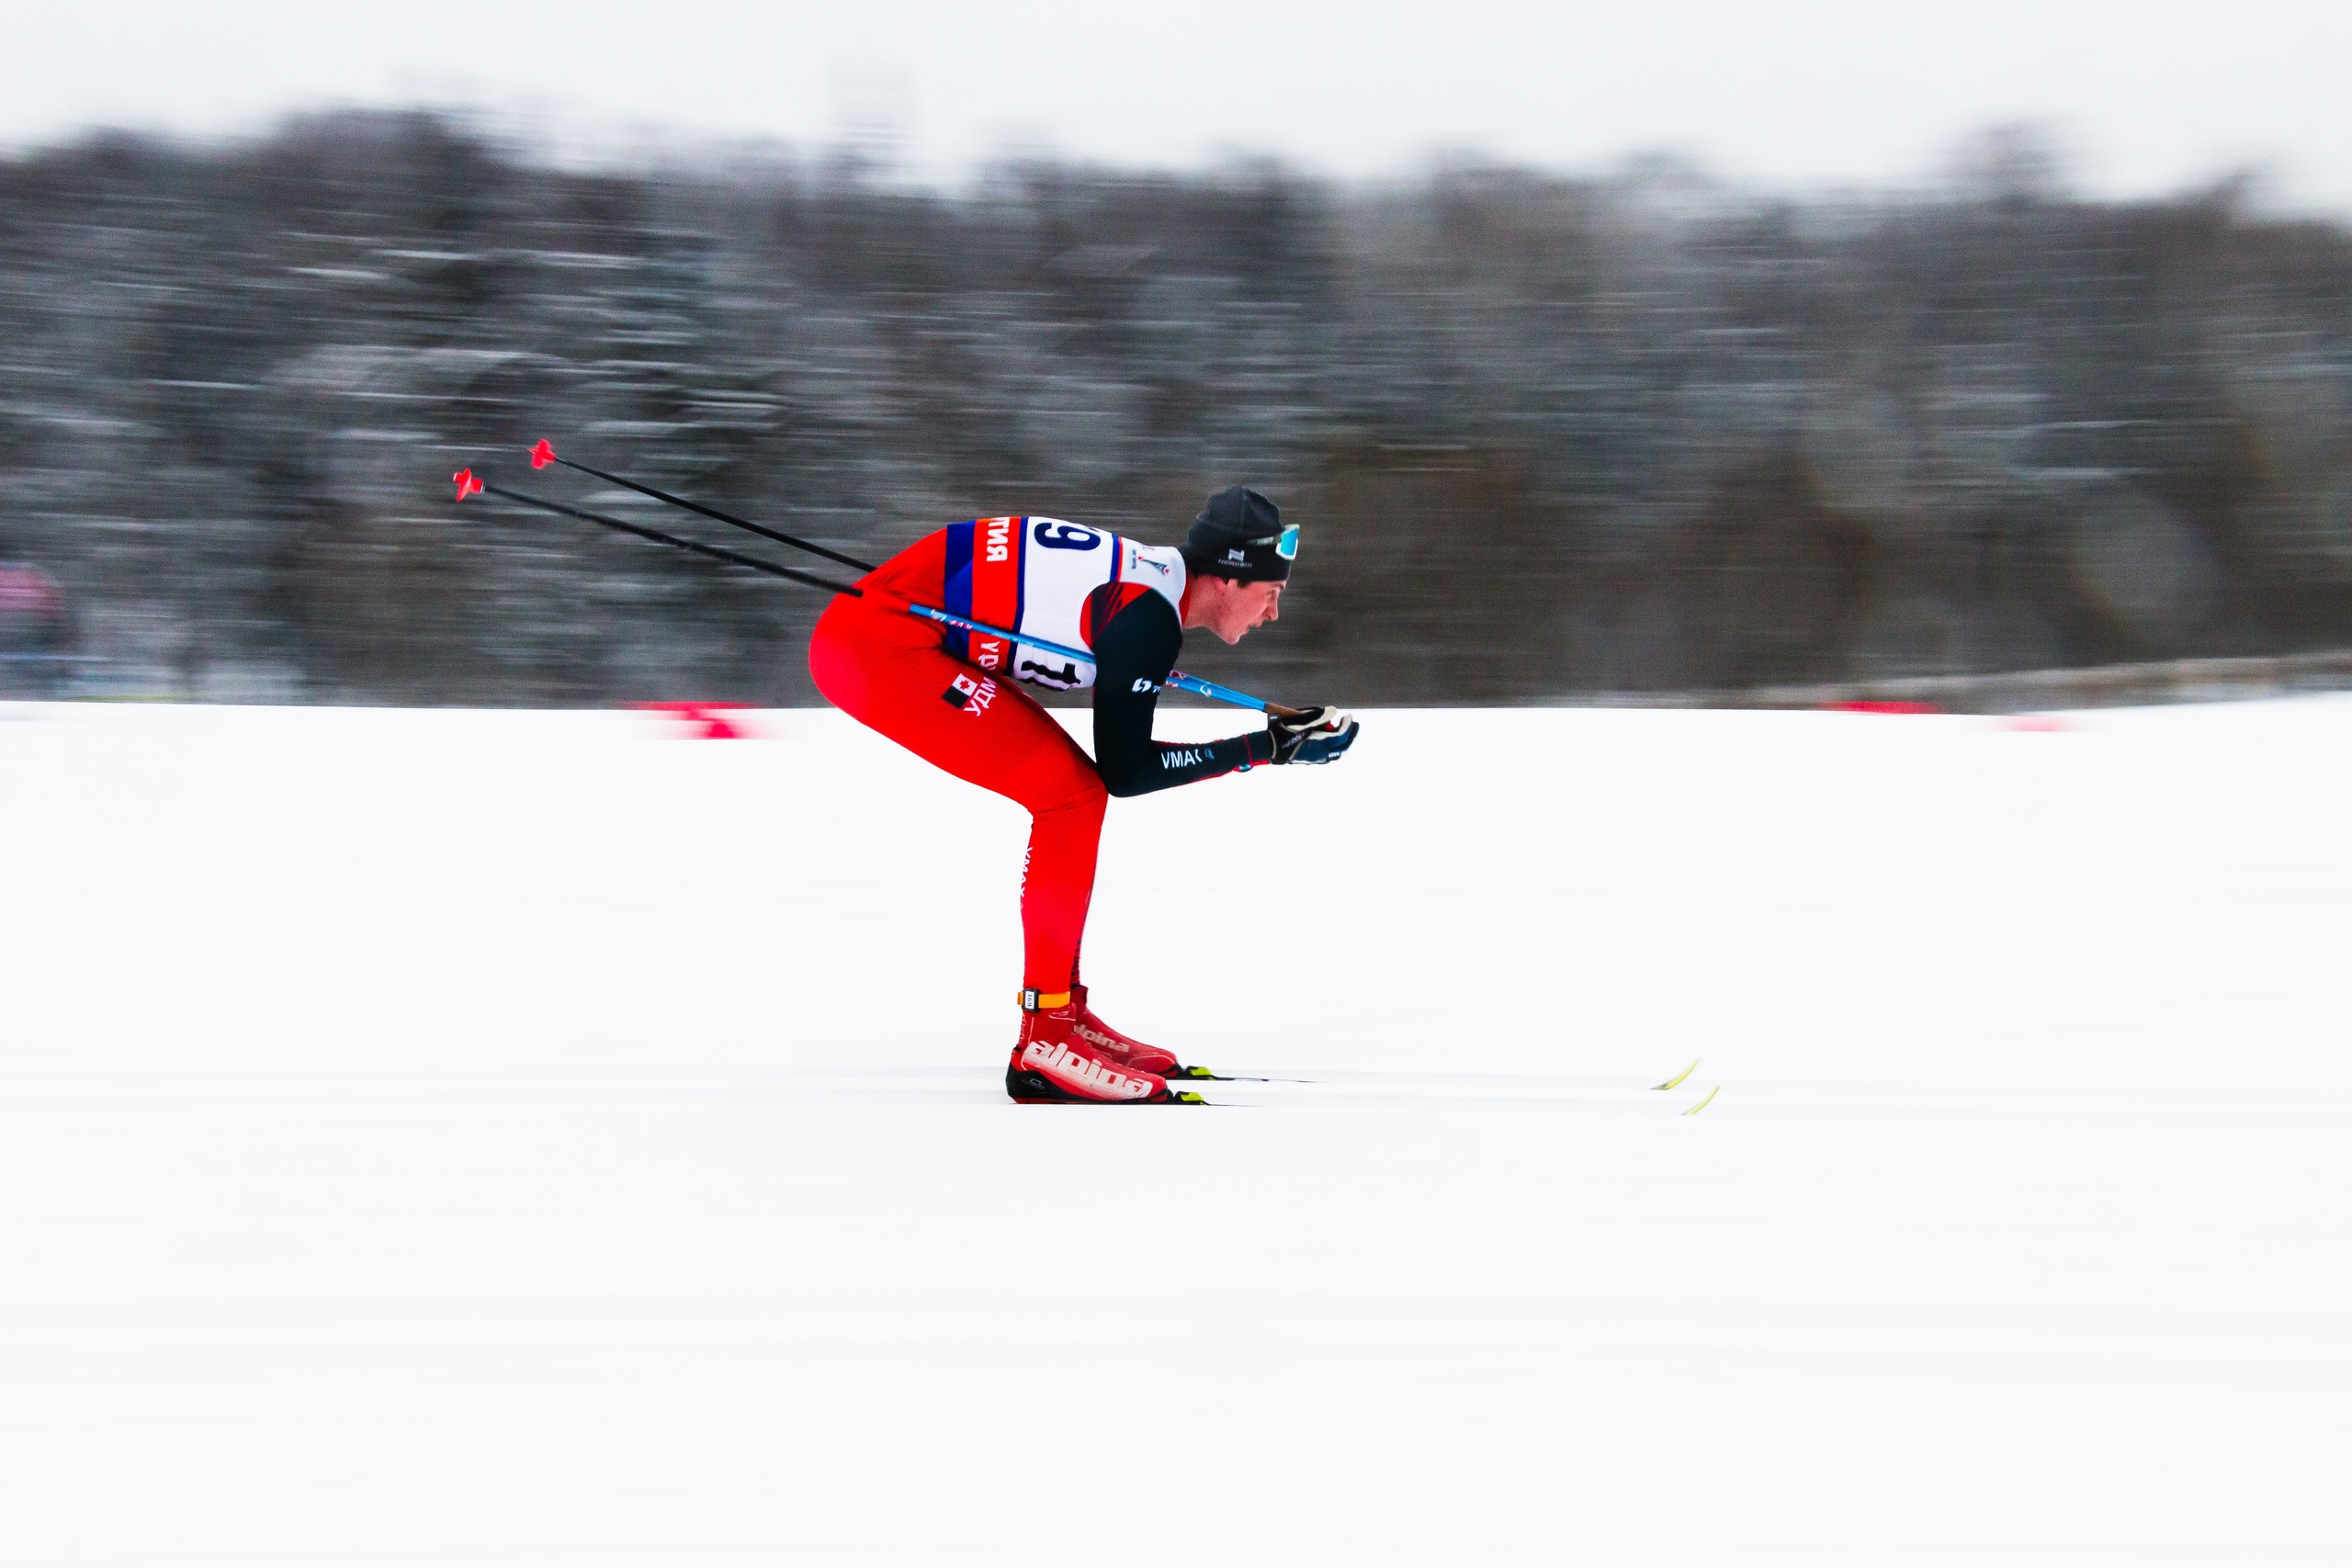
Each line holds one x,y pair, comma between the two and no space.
506,1138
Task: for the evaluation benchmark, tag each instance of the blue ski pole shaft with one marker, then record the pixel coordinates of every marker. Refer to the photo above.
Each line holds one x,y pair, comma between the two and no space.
1176,678
1211,690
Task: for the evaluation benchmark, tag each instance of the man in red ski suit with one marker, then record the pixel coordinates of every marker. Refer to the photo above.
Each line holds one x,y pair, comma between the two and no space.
946,695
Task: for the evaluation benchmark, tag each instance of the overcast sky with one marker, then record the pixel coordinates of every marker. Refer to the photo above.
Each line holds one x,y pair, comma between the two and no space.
2142,97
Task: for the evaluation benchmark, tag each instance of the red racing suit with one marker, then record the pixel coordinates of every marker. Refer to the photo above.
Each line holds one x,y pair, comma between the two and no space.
943,694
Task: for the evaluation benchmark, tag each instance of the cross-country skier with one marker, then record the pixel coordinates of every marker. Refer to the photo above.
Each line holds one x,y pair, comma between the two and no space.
943,695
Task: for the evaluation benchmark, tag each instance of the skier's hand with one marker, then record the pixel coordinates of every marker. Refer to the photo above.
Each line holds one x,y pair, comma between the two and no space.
1310,735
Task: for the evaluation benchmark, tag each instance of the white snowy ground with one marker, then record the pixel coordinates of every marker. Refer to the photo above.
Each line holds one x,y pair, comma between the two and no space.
495,1138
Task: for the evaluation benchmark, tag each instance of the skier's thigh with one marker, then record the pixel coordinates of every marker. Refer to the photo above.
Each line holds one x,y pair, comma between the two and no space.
983,729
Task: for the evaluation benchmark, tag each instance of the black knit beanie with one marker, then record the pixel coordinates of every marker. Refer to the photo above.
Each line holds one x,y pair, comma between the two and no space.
1240,534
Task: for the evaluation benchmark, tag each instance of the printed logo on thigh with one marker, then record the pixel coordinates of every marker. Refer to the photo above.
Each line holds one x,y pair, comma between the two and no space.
972,693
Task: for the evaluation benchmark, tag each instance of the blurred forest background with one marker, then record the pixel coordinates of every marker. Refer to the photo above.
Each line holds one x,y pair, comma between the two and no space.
1549,438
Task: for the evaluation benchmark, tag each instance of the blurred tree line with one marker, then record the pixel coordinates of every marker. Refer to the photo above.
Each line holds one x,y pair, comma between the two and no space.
1548,437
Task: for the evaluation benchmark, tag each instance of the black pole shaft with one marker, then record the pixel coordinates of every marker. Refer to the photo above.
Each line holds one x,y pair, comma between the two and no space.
658,537
712,513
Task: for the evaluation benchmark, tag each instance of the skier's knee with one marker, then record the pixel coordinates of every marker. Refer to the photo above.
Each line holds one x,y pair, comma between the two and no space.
1082,796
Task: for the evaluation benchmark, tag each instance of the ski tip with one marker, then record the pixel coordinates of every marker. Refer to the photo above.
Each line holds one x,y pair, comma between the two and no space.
543,453
465,482
1677,1078
1704,1104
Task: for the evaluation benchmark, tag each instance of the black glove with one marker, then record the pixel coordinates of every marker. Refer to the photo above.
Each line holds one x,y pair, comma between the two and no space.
1312,735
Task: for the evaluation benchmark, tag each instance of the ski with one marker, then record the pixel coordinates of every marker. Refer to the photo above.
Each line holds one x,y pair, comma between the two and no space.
1378,1088
1204,1075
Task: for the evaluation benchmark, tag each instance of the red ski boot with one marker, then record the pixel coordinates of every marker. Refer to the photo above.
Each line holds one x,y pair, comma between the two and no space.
1051,1065
1132,1055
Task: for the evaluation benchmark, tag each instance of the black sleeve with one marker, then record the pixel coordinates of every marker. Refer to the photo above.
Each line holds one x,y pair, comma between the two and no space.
1132,654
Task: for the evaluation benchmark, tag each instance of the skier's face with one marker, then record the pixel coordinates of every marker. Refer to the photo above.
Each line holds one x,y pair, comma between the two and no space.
1237,609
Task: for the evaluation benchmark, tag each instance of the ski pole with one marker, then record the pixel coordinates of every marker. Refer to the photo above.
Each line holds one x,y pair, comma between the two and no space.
544,454
468,484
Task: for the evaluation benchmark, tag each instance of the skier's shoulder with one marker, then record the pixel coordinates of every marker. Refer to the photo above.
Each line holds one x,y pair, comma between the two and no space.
1142,617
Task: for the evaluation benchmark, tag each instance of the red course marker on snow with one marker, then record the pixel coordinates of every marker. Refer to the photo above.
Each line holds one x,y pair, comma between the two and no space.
465,482
703,721
543,453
